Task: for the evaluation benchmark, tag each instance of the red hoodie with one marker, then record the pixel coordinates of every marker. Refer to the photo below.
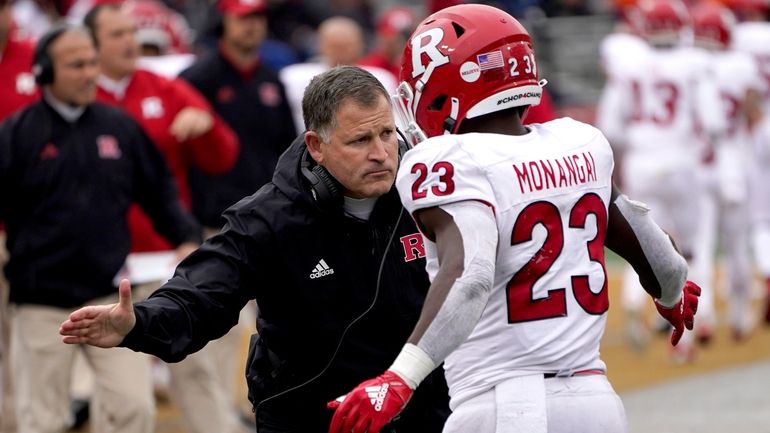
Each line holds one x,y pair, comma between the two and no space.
154,101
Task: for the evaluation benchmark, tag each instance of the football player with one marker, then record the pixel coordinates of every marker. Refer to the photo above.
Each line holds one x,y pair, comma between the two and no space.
752,35
668,131
725,206
515,220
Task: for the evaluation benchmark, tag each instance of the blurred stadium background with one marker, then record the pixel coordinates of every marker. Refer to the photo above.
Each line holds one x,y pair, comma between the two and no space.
726,387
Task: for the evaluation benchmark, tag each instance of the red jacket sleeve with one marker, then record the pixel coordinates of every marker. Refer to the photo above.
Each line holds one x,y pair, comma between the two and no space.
216,151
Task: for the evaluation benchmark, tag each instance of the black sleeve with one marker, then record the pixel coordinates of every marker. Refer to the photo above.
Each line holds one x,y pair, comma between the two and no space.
156,192
204,298
6,162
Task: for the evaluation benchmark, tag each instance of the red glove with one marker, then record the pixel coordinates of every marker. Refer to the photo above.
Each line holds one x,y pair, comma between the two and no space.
371,405
682,314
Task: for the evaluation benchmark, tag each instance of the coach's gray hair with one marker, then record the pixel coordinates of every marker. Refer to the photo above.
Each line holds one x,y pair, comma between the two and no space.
329,90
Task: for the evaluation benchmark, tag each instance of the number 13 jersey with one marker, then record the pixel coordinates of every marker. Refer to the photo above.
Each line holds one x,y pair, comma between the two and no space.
549,190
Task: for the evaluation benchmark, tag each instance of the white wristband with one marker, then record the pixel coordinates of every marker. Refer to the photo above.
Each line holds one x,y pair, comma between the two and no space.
413,365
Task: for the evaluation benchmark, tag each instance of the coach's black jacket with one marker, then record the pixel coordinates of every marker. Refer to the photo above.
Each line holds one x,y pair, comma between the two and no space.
65,189
271,244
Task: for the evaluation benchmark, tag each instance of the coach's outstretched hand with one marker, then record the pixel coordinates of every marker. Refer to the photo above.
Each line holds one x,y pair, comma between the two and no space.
682,314
101,325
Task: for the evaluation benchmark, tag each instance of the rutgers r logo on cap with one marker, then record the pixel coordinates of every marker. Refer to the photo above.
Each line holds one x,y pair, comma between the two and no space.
427,43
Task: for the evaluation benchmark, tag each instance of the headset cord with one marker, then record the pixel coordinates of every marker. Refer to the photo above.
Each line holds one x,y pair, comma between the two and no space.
347,328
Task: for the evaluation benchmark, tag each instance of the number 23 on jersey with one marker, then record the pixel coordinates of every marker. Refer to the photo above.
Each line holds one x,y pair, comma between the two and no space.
522,306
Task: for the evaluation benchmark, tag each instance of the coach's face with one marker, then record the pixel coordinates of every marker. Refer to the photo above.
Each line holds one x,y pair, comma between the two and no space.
362,150
75,68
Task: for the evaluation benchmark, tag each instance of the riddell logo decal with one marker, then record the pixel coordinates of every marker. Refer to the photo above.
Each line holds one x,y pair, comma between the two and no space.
508,99
470,72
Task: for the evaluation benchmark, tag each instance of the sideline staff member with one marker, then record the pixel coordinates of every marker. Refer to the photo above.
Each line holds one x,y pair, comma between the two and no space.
69,169
330,256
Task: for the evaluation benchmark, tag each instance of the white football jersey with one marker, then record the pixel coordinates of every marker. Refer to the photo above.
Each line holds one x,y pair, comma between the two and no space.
754,38
735,73
549,190
618,51
621,55
666,99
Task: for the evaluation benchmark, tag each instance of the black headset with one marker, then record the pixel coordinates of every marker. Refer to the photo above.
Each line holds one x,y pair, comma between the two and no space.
326,190
42,63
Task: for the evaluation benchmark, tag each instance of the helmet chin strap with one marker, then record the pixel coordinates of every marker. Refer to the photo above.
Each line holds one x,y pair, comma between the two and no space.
451,121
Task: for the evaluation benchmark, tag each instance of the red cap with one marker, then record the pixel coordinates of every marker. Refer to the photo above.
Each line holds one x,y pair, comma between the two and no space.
395,20
242,7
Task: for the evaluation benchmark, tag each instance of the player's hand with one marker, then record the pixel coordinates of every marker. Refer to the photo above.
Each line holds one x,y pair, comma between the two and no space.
101,325
191,123
371,405
682,314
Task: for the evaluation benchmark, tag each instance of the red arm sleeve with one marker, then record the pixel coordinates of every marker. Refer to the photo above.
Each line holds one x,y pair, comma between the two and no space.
216,151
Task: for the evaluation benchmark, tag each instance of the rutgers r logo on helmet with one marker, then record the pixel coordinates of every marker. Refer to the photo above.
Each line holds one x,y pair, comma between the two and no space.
463,62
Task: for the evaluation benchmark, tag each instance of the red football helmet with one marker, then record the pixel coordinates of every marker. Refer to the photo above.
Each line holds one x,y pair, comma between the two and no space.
462,62
159,26
712,25
663,20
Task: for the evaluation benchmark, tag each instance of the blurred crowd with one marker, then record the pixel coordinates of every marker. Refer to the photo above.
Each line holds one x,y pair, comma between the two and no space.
217,87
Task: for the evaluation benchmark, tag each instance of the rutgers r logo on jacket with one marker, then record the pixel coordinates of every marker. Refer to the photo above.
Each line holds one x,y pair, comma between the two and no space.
108,147
414,247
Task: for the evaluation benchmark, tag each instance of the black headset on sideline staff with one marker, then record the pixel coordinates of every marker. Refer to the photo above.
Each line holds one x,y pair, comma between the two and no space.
42,63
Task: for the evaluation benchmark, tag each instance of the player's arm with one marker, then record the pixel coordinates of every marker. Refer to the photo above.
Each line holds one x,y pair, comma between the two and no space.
465,234
632,234
466,242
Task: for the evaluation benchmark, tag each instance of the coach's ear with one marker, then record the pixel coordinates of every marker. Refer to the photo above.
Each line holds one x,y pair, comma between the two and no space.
313,142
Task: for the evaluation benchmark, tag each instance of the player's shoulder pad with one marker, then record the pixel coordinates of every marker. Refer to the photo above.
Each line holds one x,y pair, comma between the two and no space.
435,148
571,129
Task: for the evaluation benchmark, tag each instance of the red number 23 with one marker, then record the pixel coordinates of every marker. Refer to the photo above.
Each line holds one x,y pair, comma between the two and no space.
446,170
522,307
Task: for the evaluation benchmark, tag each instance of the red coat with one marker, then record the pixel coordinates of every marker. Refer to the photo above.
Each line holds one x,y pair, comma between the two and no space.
154,101
17,84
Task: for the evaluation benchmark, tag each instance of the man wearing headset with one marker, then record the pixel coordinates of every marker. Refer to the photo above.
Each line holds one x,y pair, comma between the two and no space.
331,257
69,169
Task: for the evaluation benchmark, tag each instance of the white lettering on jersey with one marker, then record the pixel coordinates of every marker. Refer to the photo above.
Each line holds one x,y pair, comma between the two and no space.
430,48
555,173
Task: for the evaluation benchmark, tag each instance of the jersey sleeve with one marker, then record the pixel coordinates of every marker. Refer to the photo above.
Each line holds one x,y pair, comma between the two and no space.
440,171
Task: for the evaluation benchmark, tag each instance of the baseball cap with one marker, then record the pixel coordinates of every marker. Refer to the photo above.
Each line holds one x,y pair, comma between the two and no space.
242,7
395,20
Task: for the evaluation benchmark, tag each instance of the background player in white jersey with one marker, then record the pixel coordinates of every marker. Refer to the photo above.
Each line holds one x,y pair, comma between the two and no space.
515,219
725,206
621,53
659,119
752,35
